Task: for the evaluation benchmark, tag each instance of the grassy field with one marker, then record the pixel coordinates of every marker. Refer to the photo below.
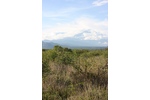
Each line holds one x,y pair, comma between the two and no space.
73,74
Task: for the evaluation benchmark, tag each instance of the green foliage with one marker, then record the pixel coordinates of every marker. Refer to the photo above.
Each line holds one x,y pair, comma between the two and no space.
64,58
58,49
74,74
45,63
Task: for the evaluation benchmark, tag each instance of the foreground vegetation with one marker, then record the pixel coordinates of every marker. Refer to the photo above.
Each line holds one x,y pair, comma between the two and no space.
74,74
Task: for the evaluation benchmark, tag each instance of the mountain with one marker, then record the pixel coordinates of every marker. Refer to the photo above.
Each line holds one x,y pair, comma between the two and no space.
46,44
72,43
85,39
75,41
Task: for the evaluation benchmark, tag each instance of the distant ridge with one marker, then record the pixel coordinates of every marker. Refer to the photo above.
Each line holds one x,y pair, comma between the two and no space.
46,44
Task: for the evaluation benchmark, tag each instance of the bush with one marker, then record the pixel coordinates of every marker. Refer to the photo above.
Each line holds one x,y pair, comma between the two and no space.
74,74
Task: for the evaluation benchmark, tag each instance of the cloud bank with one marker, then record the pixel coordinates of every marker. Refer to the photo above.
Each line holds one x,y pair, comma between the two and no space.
99,2
96,29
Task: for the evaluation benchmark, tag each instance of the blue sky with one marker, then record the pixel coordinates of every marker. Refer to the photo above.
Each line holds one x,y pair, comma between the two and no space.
67,18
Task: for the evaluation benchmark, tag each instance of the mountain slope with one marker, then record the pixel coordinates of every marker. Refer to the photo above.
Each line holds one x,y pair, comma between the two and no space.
46,44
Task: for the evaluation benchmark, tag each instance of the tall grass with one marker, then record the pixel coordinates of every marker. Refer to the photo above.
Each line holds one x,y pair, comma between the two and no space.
74,74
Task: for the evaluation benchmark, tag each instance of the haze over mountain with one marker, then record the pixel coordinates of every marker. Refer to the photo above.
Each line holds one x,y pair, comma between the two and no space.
46,44
87,38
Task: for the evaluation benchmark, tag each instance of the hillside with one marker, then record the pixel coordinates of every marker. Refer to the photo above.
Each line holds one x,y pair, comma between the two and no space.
48,45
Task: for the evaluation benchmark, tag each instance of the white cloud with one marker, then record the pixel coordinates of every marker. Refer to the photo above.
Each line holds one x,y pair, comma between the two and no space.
99,2
92,35
97,29
105,43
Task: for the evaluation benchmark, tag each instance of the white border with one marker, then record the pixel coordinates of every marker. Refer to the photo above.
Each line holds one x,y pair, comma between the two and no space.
21,50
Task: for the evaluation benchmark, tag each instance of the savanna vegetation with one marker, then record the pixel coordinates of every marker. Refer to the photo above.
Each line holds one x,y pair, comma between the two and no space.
74,74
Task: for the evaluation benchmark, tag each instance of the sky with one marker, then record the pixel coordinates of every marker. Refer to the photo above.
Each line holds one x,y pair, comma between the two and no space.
67,18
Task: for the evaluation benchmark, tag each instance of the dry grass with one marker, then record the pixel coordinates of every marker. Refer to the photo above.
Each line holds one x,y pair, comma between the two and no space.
85,79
